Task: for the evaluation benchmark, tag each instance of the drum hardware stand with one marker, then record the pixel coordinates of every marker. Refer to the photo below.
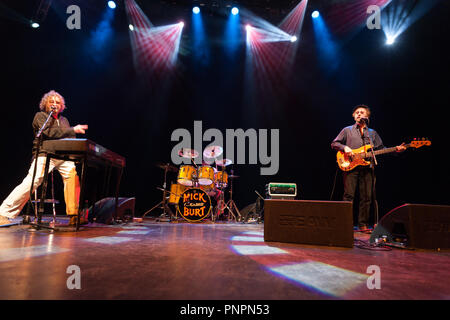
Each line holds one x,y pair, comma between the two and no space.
220,206
163,204
259,220
230,205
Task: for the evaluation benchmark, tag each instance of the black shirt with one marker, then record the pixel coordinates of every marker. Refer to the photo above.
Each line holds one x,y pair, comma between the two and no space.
55,129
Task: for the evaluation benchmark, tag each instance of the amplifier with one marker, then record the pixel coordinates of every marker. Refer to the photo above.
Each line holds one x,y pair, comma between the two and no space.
281,190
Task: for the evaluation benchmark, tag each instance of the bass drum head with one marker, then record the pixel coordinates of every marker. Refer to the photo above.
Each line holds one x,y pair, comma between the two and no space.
194,205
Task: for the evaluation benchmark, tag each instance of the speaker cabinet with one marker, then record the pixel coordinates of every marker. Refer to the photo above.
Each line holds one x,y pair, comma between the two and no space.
420,226
103,210
328,223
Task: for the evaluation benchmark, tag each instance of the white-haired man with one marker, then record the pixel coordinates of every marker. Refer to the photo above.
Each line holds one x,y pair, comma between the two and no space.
57,127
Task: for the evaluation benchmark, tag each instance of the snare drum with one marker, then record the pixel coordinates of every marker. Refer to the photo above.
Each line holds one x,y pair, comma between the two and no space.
175,193
185,175
205,175
221,179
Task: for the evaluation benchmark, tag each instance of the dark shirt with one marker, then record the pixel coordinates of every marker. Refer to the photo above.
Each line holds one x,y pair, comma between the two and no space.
351,137
55,129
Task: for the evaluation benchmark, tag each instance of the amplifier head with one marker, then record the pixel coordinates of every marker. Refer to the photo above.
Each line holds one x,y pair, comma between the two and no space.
281,190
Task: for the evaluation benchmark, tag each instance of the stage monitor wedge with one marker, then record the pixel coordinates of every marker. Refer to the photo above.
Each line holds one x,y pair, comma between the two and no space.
420,226
328,223
103,211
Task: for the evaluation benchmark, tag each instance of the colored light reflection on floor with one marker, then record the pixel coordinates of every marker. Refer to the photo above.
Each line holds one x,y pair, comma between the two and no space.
109,240
29,252
322,277
246,238
255,233
256,250
134,232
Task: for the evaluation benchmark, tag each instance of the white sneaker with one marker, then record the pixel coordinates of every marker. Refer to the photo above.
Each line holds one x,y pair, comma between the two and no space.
4,220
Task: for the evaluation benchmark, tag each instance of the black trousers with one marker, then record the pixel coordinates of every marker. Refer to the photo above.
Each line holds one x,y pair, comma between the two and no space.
361,177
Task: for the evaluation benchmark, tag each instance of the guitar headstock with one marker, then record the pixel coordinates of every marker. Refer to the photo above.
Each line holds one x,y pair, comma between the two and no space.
417,143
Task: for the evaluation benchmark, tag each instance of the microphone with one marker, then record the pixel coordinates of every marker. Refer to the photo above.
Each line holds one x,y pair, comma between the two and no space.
364,120
53,108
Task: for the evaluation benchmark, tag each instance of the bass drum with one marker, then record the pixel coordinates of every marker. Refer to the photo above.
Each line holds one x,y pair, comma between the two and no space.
194,205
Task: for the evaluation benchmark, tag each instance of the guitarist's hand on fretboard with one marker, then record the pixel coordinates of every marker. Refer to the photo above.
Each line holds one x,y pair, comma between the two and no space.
401,147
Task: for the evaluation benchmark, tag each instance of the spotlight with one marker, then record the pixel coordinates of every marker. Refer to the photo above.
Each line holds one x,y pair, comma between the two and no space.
248,27
112,4
293,38
130,26
315,14
181,23
234,11
196,10
390,40
34,25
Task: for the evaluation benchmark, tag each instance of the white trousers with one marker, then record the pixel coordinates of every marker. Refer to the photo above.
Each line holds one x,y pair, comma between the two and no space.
14,203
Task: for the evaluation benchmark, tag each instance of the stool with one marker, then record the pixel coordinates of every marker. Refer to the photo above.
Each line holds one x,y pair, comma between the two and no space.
53,201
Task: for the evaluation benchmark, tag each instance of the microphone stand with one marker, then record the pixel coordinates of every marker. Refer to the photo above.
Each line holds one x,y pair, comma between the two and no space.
36,155
373,173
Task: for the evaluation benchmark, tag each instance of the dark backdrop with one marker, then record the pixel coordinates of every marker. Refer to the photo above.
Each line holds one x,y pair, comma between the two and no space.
406,85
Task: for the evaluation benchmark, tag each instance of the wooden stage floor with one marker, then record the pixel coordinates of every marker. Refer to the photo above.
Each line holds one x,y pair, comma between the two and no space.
205,261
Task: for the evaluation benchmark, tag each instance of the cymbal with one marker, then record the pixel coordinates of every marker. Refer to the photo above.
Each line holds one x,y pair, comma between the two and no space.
212,151
188,153
167,166
233,177
224,162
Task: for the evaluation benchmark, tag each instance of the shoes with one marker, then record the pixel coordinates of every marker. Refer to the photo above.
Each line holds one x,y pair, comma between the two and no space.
73,220
4,221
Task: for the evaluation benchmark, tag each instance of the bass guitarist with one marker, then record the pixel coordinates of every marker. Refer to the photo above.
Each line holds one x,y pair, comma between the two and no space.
363,177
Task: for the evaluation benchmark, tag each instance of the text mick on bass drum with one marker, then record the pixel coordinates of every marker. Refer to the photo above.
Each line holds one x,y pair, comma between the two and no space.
194,205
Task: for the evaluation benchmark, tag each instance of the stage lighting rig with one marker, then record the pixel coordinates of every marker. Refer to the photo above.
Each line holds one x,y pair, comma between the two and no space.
112,4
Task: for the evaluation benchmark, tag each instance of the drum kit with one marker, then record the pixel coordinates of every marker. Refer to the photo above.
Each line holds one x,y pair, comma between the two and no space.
192,181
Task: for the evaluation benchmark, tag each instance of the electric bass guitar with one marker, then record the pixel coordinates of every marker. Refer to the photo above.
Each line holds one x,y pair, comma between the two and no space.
360,156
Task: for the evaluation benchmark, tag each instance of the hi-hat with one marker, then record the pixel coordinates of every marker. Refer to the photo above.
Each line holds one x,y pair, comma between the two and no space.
167,166
212,151
224,162
188,153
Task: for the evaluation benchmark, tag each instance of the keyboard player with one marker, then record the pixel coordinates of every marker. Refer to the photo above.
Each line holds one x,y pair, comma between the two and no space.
57,127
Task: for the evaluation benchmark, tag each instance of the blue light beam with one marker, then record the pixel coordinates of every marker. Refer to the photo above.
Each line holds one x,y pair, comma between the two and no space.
327,48
200,47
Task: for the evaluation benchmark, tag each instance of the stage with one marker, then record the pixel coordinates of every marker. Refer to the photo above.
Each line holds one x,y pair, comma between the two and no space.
214,109
225,260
